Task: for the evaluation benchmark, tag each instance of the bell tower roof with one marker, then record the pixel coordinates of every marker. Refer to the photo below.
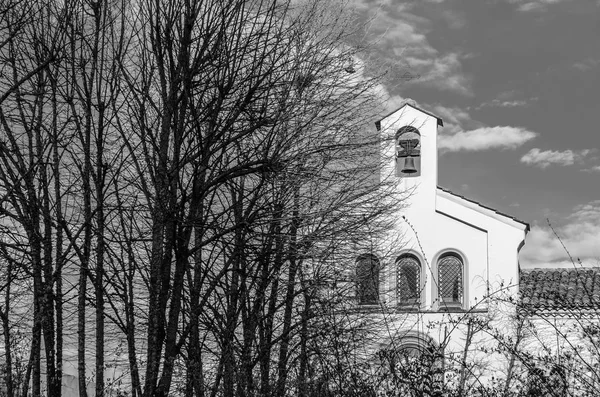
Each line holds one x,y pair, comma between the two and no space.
413,105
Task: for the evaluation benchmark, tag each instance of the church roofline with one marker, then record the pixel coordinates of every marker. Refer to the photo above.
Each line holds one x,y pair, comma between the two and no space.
440,122
527,228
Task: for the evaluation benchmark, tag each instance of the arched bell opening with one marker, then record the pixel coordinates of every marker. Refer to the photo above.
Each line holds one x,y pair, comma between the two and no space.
408,152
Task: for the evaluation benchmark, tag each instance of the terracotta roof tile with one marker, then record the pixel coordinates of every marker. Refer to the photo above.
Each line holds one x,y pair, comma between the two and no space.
560,289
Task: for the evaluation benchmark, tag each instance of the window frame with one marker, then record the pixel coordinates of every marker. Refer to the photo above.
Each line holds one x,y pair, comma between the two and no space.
413,303
450,305
361,280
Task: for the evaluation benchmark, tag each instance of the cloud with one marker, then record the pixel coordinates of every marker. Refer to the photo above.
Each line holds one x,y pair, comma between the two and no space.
531,6
508,99
455,119
580,236
510,104
485,138
443,73
462,133
586,64
451,115
507,103
393,102
545,158
595,168
455,20
402,36
534,5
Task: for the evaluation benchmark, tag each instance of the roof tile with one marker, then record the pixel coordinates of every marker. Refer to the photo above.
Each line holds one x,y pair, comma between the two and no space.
560,289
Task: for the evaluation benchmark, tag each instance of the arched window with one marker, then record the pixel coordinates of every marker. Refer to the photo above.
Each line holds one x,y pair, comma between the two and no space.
558,380
408,283
450,281
412,369
367,279
544,383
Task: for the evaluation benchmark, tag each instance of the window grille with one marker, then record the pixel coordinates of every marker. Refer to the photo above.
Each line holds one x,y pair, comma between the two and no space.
367,275
450,281
408,283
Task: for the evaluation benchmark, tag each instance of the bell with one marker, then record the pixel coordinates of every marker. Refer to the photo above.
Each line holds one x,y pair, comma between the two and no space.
409,166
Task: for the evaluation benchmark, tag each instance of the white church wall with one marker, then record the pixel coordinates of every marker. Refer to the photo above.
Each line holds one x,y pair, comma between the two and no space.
435,222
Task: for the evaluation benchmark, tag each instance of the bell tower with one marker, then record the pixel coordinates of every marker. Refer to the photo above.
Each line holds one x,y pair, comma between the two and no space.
409,153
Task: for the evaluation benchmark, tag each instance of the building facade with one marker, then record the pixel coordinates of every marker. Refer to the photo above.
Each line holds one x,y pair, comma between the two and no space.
453,252
447,278
446,258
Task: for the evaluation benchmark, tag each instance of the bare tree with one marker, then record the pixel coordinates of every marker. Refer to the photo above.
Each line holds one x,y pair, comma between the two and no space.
29,117
204,167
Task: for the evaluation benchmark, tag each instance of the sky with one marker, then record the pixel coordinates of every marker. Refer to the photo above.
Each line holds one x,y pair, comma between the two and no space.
517,84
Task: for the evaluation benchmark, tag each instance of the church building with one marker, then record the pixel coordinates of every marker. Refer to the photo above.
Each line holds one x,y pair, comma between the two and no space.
452,255
454,251
451,269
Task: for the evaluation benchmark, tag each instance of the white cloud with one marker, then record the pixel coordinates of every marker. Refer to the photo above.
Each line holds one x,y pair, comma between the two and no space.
485,138
580,236
393,102
451,115
587,212
587,64
462,133
442,72
531,6
508,99
403,36
595,168
544,158
507,103
534,5
455,119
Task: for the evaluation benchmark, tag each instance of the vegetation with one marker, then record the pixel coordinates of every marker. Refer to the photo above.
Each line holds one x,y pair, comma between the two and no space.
179,181
184,188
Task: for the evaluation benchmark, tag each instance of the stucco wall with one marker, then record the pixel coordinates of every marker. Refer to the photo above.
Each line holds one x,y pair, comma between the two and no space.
435,222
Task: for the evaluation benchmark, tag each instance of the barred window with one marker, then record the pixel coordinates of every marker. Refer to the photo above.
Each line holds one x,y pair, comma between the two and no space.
450,281
367,279
408,284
